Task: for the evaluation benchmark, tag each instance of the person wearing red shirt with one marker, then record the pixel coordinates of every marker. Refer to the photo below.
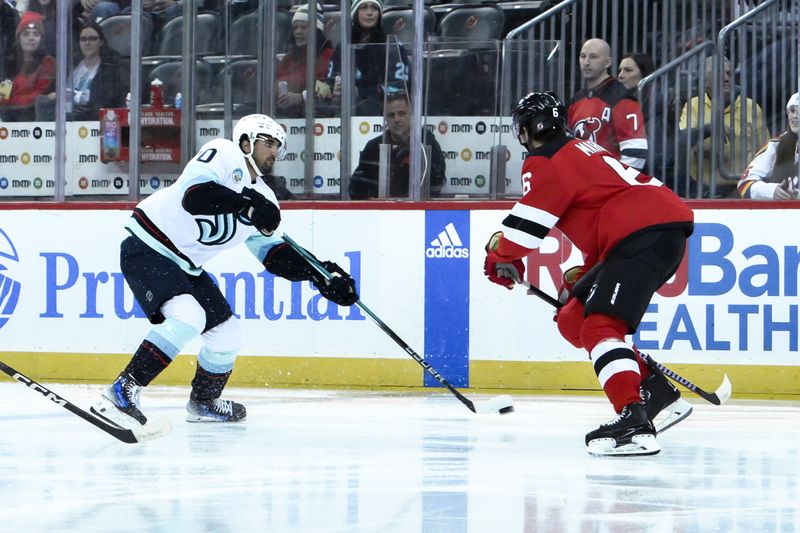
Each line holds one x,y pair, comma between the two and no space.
291,69
605,112
632,231
31,70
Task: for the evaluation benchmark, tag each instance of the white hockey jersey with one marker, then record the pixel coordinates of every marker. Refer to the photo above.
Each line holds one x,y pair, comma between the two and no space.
163,223
752,184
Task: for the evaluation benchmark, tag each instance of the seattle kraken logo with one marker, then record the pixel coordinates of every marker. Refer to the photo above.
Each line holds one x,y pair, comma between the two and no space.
221,229
9,288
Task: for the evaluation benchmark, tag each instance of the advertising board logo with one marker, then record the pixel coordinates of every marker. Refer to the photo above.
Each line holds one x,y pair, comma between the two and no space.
83,183
25,158
9,287
318,182
37,183
83,132
155,183
37,132
4,183
480,180
319,129
3,134
118,182
466,154
363,128
443,128
480,127
447,244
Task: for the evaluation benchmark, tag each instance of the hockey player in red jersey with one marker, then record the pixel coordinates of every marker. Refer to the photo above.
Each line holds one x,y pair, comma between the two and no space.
605,112
632,232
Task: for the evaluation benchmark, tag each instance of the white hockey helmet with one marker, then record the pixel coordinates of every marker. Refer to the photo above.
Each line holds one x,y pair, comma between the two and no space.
255,126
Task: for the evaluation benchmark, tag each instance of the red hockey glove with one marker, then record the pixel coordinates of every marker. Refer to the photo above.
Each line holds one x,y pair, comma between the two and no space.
501,271
571,277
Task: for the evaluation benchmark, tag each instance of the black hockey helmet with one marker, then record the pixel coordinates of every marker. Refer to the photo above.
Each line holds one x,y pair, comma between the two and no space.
539,112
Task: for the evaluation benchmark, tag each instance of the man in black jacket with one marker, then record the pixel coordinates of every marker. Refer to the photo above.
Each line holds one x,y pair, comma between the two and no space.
397,133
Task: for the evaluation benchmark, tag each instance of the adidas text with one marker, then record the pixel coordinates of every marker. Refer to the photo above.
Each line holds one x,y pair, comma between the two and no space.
447,252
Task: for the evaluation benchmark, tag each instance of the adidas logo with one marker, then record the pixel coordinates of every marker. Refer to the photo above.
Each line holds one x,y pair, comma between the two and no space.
447,245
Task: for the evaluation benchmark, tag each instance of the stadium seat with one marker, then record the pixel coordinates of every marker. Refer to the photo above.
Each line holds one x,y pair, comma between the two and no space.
399,21
117,30
332,31
244,37
473,23
207,39
244,84
171,75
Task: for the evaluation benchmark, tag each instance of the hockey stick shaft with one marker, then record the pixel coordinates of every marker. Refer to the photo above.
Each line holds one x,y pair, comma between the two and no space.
717,398
125,435
386,329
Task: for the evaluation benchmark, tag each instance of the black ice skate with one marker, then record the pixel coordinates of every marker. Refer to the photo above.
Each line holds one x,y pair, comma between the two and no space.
661,397
215,411
119,403
631,433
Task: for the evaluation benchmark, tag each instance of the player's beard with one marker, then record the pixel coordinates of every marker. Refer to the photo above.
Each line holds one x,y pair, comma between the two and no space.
266,167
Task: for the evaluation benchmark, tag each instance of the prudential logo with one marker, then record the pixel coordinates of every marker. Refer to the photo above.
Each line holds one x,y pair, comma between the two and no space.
9,288
448,245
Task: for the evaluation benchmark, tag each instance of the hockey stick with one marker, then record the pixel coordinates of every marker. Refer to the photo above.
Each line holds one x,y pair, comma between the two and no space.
502,404
150,431
718,397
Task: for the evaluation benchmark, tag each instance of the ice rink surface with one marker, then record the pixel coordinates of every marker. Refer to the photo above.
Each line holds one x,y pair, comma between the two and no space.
329,461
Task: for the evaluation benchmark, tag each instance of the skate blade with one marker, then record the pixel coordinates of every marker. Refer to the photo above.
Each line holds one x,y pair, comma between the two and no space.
107,411
676,411
639,445
209,419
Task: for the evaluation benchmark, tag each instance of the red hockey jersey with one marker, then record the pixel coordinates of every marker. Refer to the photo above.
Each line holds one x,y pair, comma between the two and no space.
593,198
610,116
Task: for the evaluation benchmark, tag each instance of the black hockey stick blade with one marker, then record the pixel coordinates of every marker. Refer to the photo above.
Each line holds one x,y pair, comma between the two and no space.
718,397
502,404
151,430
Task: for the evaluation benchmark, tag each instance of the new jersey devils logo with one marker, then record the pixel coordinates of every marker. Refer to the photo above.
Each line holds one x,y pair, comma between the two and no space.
587,129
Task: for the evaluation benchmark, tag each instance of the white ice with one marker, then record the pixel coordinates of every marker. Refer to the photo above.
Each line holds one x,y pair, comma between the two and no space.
322,461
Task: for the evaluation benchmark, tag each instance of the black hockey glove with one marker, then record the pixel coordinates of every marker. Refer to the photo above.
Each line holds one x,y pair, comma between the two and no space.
264,215
340,289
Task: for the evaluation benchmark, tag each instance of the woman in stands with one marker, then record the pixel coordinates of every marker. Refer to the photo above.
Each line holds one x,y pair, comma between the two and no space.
373,69
31,71
669,164
97,80
291,70
772,174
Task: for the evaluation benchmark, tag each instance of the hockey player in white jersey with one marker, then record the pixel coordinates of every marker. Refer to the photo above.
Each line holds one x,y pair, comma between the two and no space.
219,201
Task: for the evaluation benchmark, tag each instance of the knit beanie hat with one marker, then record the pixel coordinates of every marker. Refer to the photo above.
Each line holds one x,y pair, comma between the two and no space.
359,3
30,19
301,15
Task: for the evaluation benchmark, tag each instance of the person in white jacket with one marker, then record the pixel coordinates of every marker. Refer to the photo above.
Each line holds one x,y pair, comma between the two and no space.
772,174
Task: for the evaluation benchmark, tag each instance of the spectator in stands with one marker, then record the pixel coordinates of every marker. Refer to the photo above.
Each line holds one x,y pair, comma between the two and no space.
604,111
742,139
47,9
772,174
98,10
291,70
397,133
96,81
376,63
9,18
31,71
668,163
